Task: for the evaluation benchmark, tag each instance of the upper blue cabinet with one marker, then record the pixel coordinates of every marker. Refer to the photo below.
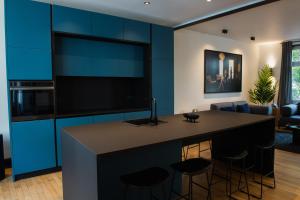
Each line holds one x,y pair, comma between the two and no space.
108,26
162,42
137,31
76,21
71,20
28,39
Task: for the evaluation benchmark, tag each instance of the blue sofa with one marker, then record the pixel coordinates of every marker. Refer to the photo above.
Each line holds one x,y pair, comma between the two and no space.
289,114
234,107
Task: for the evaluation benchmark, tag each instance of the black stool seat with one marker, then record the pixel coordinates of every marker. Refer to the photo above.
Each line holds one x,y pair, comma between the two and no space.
235,156
269,145
192,166
146,178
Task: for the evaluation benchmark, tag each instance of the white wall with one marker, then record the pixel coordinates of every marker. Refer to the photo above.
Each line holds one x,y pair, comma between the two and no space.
4,121
189,69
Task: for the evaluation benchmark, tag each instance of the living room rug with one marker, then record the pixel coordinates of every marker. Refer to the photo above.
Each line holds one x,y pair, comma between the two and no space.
284,141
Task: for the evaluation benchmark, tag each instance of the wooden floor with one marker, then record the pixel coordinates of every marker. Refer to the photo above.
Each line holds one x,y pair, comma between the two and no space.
49,187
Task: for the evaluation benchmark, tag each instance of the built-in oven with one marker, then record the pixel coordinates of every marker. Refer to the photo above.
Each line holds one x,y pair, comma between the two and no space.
31,100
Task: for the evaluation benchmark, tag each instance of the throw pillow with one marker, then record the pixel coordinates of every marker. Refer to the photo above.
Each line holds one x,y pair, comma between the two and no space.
228,109
243,108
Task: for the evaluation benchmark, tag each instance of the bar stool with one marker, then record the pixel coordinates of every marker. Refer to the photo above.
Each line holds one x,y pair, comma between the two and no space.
230,159
146,179
191,168
261,149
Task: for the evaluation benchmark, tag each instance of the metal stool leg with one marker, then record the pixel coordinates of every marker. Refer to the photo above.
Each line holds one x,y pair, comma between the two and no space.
208,186
230,180
172,185
227,177
125,192
190,187
199,148
245,174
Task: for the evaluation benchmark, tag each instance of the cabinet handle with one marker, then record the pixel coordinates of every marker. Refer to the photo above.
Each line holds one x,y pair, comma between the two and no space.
31,88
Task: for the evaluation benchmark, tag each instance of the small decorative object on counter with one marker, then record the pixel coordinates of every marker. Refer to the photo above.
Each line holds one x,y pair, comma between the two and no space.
195,110
191,117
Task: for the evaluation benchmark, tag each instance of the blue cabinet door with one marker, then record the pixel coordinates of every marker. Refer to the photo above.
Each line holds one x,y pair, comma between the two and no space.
162,42
28,64
71,20
28,39
136,31
62,123
33,146
28,24
108,26
77,57
163,85
163,69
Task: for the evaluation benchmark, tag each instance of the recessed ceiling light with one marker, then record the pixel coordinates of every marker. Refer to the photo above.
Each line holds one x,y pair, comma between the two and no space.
147,2
208,0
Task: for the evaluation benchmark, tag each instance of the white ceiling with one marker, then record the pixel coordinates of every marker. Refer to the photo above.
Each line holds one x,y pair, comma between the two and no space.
275,22
164,12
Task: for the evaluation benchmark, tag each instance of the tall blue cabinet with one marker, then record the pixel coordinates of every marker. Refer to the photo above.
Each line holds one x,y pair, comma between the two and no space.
163,68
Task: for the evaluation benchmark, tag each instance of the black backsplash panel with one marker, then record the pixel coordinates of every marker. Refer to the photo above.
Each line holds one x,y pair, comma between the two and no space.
87,95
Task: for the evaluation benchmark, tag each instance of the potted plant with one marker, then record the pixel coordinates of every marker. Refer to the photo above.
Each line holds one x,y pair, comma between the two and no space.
265,88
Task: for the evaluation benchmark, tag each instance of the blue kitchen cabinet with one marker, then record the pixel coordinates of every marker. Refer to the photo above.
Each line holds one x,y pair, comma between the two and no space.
107,26
163,86
28,64
71,20
78,57
162,42
136,31
33,146
28,40
67,122
163,69
28,24
136,115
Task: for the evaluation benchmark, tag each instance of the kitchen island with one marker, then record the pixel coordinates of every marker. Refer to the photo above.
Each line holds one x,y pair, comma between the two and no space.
95,156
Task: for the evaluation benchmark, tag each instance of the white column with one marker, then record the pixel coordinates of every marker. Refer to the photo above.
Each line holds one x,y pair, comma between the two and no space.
4,116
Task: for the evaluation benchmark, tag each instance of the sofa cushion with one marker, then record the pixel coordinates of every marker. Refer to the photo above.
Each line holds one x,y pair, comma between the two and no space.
218,106
229,109
295,119
260,110
243,108
236,103
289,110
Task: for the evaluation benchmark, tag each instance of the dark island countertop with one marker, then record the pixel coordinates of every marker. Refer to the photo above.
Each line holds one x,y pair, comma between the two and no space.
112,137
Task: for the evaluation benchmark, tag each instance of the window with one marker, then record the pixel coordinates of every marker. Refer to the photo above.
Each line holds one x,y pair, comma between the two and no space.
296,73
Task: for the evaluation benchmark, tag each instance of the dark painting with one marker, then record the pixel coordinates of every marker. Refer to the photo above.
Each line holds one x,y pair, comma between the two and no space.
223,72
